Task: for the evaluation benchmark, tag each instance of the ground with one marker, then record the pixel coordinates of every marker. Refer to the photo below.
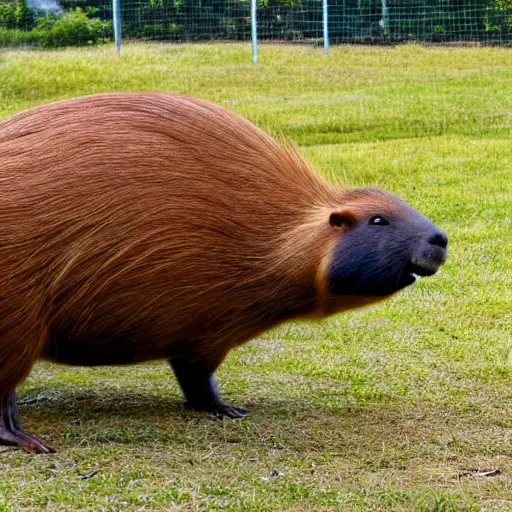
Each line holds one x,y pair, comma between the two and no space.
403,406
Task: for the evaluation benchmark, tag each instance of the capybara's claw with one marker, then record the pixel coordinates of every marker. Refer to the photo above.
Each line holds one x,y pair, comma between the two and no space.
25,442
219,409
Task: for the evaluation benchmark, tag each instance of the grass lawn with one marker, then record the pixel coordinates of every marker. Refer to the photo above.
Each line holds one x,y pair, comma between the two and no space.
398,407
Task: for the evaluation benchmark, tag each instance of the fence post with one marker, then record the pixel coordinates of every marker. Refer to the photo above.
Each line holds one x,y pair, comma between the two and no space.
385,17
326,26
116,15
254,32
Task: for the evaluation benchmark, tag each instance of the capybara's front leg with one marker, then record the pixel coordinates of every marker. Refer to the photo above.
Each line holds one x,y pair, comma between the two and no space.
200,390
10,428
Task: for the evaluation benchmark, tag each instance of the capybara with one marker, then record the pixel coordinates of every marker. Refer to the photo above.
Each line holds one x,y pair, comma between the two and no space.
136,227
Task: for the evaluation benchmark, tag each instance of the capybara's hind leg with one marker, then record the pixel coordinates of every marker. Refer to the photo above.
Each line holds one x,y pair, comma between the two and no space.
200,390
10,428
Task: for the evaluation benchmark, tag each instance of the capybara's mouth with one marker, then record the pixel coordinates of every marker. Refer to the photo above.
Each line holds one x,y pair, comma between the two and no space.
420,271
408,278
412,271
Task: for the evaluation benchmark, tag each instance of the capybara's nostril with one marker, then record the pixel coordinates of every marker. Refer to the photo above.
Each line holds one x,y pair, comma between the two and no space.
439,238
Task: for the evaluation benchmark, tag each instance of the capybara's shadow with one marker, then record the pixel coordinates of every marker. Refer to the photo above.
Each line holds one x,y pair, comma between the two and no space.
112,405
107,405
68,420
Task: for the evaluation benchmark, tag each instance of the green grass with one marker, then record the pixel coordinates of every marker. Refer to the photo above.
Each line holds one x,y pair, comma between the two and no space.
385,408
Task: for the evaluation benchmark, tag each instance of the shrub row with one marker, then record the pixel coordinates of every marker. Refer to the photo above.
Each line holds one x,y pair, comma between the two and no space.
73,28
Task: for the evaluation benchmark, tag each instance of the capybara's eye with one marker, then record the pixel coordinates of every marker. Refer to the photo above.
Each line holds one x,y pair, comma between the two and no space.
378,220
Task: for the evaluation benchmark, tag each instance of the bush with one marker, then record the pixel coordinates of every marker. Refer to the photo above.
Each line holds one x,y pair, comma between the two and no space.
15,37
74,28
15,14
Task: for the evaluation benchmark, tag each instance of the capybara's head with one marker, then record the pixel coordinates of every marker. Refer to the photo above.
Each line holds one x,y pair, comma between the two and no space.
382,245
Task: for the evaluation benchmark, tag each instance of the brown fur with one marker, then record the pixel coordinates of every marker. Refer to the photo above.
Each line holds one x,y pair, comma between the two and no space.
140,226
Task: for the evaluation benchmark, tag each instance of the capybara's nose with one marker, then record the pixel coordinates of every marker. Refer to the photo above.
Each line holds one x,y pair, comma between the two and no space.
433,253
430,253
439,238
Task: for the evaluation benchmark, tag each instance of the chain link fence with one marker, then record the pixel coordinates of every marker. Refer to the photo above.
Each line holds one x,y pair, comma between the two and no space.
50,23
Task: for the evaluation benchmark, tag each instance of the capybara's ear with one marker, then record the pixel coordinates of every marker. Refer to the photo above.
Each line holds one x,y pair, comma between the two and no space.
342,219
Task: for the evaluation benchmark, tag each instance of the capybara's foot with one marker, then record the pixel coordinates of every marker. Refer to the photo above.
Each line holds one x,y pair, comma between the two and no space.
10,428
219,409
200,389
24,441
